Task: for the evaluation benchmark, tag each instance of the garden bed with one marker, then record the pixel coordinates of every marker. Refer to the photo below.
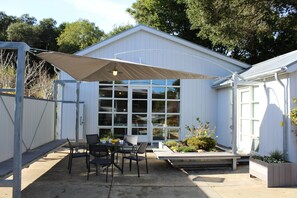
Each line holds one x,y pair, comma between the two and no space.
274,174
196,159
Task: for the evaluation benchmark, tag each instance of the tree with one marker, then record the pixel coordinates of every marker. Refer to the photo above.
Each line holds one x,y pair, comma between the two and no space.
5,21
116,30
166,15
78,35
251,30
47,33
26,18
21,31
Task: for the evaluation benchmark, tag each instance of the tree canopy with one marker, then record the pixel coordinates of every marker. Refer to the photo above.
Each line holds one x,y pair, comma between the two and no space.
78,35
166,15
251,31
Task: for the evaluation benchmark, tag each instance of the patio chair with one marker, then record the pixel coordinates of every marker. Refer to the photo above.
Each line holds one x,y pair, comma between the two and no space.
138,155
100,159
92,138
131,143
75,153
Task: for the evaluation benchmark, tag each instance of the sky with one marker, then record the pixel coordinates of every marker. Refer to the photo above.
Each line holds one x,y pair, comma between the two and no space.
104,13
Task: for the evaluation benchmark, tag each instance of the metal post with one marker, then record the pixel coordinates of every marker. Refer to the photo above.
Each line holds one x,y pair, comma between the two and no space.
55,110
77,113
234,112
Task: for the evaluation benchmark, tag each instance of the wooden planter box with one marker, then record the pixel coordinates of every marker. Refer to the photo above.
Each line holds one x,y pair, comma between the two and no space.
274,174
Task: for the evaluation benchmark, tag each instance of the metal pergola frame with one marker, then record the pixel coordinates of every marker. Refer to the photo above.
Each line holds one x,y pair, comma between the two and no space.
21,48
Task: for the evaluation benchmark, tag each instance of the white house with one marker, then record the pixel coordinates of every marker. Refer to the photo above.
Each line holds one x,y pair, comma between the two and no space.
158,110
264,101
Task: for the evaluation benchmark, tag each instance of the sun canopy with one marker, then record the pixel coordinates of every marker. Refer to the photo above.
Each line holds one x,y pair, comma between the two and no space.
84,68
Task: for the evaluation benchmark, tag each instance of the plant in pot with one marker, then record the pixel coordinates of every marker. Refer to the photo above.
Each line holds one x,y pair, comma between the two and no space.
273,169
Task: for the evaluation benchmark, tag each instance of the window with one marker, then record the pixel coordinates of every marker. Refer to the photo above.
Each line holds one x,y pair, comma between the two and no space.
164,112
248,119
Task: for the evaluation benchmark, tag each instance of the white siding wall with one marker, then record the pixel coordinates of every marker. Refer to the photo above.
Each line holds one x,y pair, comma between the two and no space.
224,117
38,124
271,117
198,99
292,130
270,113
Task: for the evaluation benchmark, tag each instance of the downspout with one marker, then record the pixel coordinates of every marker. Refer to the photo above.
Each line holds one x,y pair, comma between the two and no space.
285,122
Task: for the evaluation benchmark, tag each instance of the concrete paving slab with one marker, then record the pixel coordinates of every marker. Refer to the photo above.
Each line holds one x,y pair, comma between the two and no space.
49,178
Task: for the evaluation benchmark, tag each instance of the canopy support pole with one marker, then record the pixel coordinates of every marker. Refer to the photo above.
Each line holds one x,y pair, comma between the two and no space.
234,112
22,48
77,112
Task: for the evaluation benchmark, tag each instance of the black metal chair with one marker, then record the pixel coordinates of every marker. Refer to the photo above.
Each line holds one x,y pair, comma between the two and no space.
138,155
100,157
130,142
75,153
92,138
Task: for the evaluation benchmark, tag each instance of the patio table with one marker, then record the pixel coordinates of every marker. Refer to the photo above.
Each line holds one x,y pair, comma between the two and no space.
114,147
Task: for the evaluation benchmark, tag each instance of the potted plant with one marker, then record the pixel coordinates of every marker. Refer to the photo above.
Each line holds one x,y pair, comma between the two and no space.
273,169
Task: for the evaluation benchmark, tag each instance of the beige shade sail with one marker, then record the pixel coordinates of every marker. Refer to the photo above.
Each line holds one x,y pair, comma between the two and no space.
84,68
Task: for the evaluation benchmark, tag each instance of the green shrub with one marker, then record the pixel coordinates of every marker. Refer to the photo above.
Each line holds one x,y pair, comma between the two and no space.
171,143
205,143
274,157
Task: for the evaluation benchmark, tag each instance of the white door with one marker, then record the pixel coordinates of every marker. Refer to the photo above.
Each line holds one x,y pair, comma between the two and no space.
68,121
248,121
139,122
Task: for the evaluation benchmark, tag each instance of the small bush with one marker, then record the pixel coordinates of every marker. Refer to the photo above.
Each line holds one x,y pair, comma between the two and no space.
205,143
274,157
171,143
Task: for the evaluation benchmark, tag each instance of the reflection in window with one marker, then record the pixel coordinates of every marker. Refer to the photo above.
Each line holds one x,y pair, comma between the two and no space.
173,120
105,91
158,92
172,134
139,94
158,82
173,82
173,106
121,82
138,82
139,106
158,134
158,106
120,105
158,120
173,93
120,92
104,133
139,131
139,120
120,119
105,105
119,132
105,119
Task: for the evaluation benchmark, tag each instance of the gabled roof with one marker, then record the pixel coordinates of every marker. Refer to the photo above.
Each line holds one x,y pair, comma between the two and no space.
165,36
268,67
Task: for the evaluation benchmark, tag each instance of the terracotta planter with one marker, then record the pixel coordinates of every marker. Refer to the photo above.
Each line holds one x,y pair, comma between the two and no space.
274,174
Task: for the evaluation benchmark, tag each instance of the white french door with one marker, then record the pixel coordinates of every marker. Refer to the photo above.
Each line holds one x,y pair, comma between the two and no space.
139,115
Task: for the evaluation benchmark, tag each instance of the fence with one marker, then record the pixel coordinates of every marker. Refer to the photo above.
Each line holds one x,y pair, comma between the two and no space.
38,124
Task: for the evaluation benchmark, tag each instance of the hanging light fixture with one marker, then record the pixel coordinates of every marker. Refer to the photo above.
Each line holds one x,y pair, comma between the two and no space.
114,72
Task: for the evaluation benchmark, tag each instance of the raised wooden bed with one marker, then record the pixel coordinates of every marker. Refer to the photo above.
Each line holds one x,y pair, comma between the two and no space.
274,174
192,159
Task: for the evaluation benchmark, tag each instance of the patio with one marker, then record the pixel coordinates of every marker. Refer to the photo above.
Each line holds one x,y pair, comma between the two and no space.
48,177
